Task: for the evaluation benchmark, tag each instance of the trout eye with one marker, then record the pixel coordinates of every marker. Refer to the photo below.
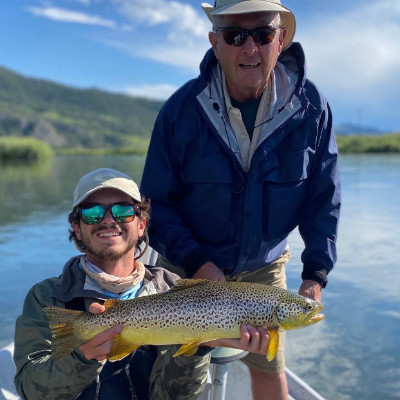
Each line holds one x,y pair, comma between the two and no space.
309,307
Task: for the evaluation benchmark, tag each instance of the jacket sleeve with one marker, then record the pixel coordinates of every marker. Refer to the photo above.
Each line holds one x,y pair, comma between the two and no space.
38,377
179,378
161,183
318,227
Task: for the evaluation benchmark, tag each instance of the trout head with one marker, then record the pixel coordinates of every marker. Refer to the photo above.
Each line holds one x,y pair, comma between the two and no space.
298,312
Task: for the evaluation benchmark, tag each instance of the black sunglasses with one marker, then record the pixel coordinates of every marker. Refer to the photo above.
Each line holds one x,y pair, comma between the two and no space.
238,36
94,213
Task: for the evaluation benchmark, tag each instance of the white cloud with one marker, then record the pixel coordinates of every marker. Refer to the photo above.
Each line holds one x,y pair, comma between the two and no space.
157,92
180,17
181,35
351,51
63,15
183,56
187,58
354,58
85,2
171,33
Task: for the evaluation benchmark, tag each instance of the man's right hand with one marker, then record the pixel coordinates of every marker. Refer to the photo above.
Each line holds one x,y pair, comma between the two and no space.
99,347
253,340
209,271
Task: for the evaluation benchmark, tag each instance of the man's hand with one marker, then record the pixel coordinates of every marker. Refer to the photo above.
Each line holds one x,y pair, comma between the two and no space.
311,289
99,347
253,340
209,271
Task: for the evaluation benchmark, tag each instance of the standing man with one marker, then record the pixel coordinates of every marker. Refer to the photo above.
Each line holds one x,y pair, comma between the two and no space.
108,223
239,158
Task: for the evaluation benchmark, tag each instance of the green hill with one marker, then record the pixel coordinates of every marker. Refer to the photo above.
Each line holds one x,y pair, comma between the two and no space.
66,117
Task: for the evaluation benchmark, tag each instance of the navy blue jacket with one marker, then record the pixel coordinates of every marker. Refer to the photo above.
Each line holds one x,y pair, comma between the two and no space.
205,207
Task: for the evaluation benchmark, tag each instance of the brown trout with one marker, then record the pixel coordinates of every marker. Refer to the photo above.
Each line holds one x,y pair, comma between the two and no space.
191,313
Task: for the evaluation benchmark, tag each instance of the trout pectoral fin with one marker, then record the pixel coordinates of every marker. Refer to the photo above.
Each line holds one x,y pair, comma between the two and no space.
109,303
121,348
187,349
273,344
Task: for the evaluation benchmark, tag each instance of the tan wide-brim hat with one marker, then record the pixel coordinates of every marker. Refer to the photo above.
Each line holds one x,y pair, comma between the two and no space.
229,7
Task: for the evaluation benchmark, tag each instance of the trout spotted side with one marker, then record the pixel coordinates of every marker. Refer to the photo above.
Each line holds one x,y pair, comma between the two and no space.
192,312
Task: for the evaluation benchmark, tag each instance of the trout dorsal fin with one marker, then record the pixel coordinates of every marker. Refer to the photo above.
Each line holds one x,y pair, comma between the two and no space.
109,303
186,283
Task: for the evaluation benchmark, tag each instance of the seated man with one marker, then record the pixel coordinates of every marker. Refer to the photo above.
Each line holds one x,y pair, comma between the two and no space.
108,224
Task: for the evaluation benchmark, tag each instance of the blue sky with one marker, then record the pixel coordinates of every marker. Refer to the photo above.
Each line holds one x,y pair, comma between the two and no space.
151,47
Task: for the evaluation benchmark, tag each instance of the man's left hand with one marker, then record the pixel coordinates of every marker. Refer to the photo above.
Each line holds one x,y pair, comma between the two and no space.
311,289
253,340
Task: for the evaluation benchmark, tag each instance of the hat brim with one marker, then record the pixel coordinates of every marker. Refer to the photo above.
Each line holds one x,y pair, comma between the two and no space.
247,7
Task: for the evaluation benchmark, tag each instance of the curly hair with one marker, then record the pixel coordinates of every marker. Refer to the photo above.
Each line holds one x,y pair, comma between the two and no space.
143,211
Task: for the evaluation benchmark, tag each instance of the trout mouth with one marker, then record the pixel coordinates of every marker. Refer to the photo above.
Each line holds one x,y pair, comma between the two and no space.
314,317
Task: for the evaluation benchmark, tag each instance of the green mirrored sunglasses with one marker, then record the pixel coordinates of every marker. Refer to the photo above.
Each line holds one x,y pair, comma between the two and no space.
91,214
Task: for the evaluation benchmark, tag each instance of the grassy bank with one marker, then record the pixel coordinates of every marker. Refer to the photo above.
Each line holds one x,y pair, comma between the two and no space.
14,149
389,143
138,146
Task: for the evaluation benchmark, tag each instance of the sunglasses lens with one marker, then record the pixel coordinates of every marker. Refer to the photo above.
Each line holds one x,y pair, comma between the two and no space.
123,213
120,212
92,215
264,35
234,36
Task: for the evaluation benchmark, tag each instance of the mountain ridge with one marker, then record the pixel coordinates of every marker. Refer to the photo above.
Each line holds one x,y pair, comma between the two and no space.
66,117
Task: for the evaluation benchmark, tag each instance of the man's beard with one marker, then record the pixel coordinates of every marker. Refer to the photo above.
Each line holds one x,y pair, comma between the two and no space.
108,254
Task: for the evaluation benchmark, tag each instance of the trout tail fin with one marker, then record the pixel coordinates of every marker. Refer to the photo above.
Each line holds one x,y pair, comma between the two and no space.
64,325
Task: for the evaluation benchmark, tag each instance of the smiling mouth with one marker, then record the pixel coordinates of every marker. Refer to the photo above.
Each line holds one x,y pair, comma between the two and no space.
109,234
254,65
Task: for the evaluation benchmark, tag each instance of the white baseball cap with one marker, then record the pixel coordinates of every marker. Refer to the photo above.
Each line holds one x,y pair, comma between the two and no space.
105,178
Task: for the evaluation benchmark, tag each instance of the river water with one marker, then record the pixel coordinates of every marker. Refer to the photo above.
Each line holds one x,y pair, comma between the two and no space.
353,354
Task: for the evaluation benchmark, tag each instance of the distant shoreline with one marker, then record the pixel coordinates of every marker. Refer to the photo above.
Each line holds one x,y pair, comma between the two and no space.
386,143
383,143
16,149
